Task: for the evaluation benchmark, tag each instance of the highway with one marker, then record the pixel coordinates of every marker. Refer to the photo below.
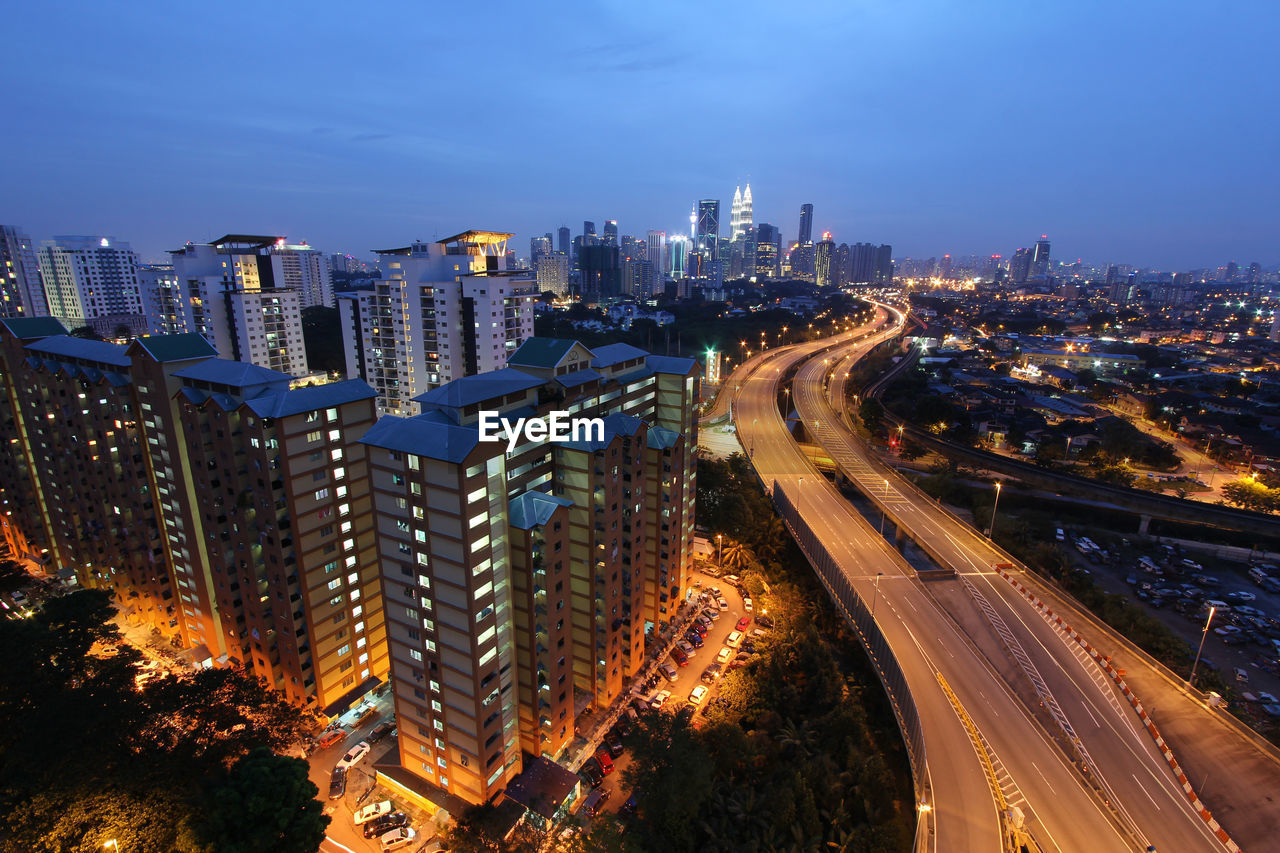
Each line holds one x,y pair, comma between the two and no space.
927,641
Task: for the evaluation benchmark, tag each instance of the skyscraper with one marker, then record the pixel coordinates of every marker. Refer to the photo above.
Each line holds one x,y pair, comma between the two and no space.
823,255
1020,266
611,232
538,246
93,281
589,237
302,268
441,311
563,236
768,246
741,234
706,239
553,273
806,224
601,270
21,294
1040,259
162,300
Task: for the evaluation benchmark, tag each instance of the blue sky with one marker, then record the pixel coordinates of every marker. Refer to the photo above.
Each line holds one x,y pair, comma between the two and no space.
1137,132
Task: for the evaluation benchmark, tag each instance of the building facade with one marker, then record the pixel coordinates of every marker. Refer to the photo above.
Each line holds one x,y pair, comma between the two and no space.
441,311
93,281
21,293
521,581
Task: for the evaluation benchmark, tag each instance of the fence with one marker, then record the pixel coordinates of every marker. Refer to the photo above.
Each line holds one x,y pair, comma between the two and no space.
877,647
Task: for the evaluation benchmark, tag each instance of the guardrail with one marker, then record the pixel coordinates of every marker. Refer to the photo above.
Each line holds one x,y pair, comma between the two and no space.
873,641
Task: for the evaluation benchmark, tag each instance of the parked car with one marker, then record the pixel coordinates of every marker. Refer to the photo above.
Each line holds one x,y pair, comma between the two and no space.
594,803
743,623
711,673
398,839
659,699
747,604
372,811
338,783
724,655
764,622
386,823
695,639
354,755
686,647
734,639
723,605
381,730
697,694
678,655
593,774
331,736
605,760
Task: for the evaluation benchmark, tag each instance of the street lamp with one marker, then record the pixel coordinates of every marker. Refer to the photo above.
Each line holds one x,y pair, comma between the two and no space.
112,843
1191,681
719,559
992,528
876,596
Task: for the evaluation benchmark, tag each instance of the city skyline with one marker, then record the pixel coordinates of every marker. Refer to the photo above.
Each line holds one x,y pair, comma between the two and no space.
920,137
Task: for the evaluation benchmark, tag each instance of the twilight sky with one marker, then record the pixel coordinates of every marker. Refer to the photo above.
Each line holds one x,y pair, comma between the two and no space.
1137,131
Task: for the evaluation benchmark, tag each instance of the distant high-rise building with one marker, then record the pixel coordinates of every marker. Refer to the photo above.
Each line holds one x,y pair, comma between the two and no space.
302,268
1255,272
768,242
563,236
884,264
601,270
538,246
944,268
706,239
441,311
656,251
93,281
236,294
611,232
1040,259
806,224
1233,269
823,255
552,273
162,300
679,249
589,236
21,294
742,237
1020,266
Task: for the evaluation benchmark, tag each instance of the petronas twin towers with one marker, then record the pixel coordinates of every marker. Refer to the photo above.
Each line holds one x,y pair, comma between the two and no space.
740,215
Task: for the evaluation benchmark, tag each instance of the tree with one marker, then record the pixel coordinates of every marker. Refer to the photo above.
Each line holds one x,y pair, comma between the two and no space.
736,556
872,414
1248,493
85,332
266,803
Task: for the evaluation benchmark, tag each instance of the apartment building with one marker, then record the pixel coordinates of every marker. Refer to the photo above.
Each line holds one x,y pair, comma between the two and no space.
21,293
441,311
520,584
234,293
93,281
221,507
162,300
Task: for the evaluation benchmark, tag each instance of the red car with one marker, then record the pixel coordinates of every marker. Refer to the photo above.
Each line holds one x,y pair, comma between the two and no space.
743,623
330,737
679,657
606,761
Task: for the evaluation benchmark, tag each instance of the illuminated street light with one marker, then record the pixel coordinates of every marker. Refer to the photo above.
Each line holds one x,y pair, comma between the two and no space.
719,558
992,528
113,844
1191,681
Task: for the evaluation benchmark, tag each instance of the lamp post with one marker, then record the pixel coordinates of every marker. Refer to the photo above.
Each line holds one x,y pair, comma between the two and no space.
719,558
992,528
876,596
112,843
1191,681
886,497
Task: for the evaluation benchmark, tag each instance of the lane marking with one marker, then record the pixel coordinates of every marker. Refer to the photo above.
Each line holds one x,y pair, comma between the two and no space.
1045,778
1144,790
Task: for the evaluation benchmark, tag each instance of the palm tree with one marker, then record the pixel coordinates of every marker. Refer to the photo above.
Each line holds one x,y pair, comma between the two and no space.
736,556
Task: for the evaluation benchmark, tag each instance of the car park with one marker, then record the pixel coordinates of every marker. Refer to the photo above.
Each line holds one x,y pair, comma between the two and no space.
372,811
398,838
697,694
384,824
354,755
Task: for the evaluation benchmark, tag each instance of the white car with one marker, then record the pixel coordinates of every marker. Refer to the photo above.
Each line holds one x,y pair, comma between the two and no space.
373,810
734,639
697,694
659,699
724,605
746,604
398,839
354,756
725,655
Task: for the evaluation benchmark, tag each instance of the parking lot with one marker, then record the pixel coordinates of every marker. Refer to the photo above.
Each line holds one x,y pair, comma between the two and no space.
689,676
1177,586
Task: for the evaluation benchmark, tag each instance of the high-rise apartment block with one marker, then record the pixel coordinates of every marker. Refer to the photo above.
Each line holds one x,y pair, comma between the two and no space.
21,294
237,294
162,300
552,271
93,281
768,247
222,508
440,311
304,269
521,581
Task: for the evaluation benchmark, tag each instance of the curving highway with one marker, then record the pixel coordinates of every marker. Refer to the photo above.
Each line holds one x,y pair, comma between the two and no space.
978,660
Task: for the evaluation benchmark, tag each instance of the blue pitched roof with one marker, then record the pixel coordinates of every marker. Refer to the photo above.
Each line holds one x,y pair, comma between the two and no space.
34,327
615,425
610,354
579,377
238,374
478,388
660,437
541,352
176,347
82,348
299,400
423,436
533,509
670,364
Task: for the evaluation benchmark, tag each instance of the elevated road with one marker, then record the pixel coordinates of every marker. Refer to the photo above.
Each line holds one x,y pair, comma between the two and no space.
1032,772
